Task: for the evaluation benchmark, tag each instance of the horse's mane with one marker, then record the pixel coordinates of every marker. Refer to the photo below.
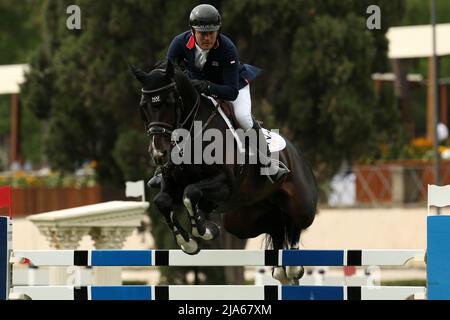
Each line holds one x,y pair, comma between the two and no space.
180,76
162,64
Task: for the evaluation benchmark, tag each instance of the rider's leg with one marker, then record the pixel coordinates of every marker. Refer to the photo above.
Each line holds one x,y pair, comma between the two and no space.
242,110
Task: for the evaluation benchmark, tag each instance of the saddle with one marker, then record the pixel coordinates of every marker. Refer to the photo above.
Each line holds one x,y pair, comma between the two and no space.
228,109
274,140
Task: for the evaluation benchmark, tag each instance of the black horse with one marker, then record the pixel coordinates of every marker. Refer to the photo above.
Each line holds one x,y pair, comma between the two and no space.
251,204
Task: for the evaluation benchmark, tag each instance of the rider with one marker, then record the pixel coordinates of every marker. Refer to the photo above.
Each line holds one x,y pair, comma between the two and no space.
212,62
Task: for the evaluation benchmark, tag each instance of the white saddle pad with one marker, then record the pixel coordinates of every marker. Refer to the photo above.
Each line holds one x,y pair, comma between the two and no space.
274,140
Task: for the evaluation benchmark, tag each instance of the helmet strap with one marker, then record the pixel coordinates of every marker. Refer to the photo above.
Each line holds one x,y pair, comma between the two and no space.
193,35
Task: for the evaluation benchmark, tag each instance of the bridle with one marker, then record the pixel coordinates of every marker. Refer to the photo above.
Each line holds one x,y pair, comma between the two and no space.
164,128
158,127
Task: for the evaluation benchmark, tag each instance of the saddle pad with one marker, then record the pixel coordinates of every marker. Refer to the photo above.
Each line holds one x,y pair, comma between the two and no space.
274,140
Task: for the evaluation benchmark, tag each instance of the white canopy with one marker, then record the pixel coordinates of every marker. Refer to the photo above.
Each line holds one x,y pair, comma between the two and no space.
416,41
11,77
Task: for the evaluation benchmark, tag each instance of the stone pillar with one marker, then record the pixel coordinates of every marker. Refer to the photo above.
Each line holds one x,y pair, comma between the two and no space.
108,223
64,238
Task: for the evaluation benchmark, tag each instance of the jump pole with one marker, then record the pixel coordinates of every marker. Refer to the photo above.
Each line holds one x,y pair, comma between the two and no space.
437,259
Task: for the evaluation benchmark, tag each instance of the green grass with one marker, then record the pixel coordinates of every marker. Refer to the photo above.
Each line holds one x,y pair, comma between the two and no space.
410,282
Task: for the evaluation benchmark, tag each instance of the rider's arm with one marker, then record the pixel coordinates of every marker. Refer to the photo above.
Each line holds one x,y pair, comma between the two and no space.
229,90
175,52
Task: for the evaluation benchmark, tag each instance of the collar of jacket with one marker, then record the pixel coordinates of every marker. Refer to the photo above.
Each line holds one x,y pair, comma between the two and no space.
191,43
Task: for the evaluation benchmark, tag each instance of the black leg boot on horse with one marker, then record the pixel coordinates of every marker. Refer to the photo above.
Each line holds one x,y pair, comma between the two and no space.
155,181
272,168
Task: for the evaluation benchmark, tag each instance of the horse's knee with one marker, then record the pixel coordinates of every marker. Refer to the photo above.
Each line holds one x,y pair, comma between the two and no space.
193,193
163,202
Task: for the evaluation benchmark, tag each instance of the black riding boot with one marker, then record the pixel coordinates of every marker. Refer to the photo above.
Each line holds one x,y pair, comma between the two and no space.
280,172
155,181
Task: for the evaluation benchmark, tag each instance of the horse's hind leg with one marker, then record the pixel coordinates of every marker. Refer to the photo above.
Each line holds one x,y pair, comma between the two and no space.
260,218
298,210
285,274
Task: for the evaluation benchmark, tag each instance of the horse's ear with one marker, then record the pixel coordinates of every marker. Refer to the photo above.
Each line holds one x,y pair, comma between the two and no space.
170,69
138,73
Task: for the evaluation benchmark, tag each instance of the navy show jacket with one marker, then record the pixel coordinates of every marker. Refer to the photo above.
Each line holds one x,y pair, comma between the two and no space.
222,68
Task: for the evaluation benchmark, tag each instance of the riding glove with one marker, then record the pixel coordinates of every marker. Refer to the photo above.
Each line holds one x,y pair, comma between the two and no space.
202,86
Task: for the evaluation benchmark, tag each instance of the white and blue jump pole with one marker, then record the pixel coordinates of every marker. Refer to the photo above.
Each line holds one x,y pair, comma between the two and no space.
216,292
438,258
97,258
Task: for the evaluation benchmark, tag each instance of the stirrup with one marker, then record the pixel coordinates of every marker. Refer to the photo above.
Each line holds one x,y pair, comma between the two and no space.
282,171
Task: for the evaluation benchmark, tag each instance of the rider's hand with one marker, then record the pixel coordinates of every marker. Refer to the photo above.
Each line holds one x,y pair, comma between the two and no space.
202,86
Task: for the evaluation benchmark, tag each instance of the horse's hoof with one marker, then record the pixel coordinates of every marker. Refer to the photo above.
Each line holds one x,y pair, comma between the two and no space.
278,273
295,272
212,231
192,253
189,247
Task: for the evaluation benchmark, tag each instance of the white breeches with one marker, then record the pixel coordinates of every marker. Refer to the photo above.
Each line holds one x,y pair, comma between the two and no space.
243,108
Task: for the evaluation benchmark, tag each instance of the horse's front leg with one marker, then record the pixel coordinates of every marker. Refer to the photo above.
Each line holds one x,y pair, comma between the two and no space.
213,189
164,202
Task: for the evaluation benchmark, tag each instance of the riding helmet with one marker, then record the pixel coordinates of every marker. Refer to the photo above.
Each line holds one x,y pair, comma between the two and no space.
205,18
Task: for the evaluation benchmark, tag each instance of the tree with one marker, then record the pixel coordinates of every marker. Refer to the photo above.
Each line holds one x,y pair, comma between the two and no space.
81,87
317,58
19,21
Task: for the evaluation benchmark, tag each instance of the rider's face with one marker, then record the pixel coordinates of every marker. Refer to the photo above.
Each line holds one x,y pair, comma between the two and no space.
206,40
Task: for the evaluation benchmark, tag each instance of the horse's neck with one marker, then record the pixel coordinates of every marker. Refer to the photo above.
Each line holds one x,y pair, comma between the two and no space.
205,109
